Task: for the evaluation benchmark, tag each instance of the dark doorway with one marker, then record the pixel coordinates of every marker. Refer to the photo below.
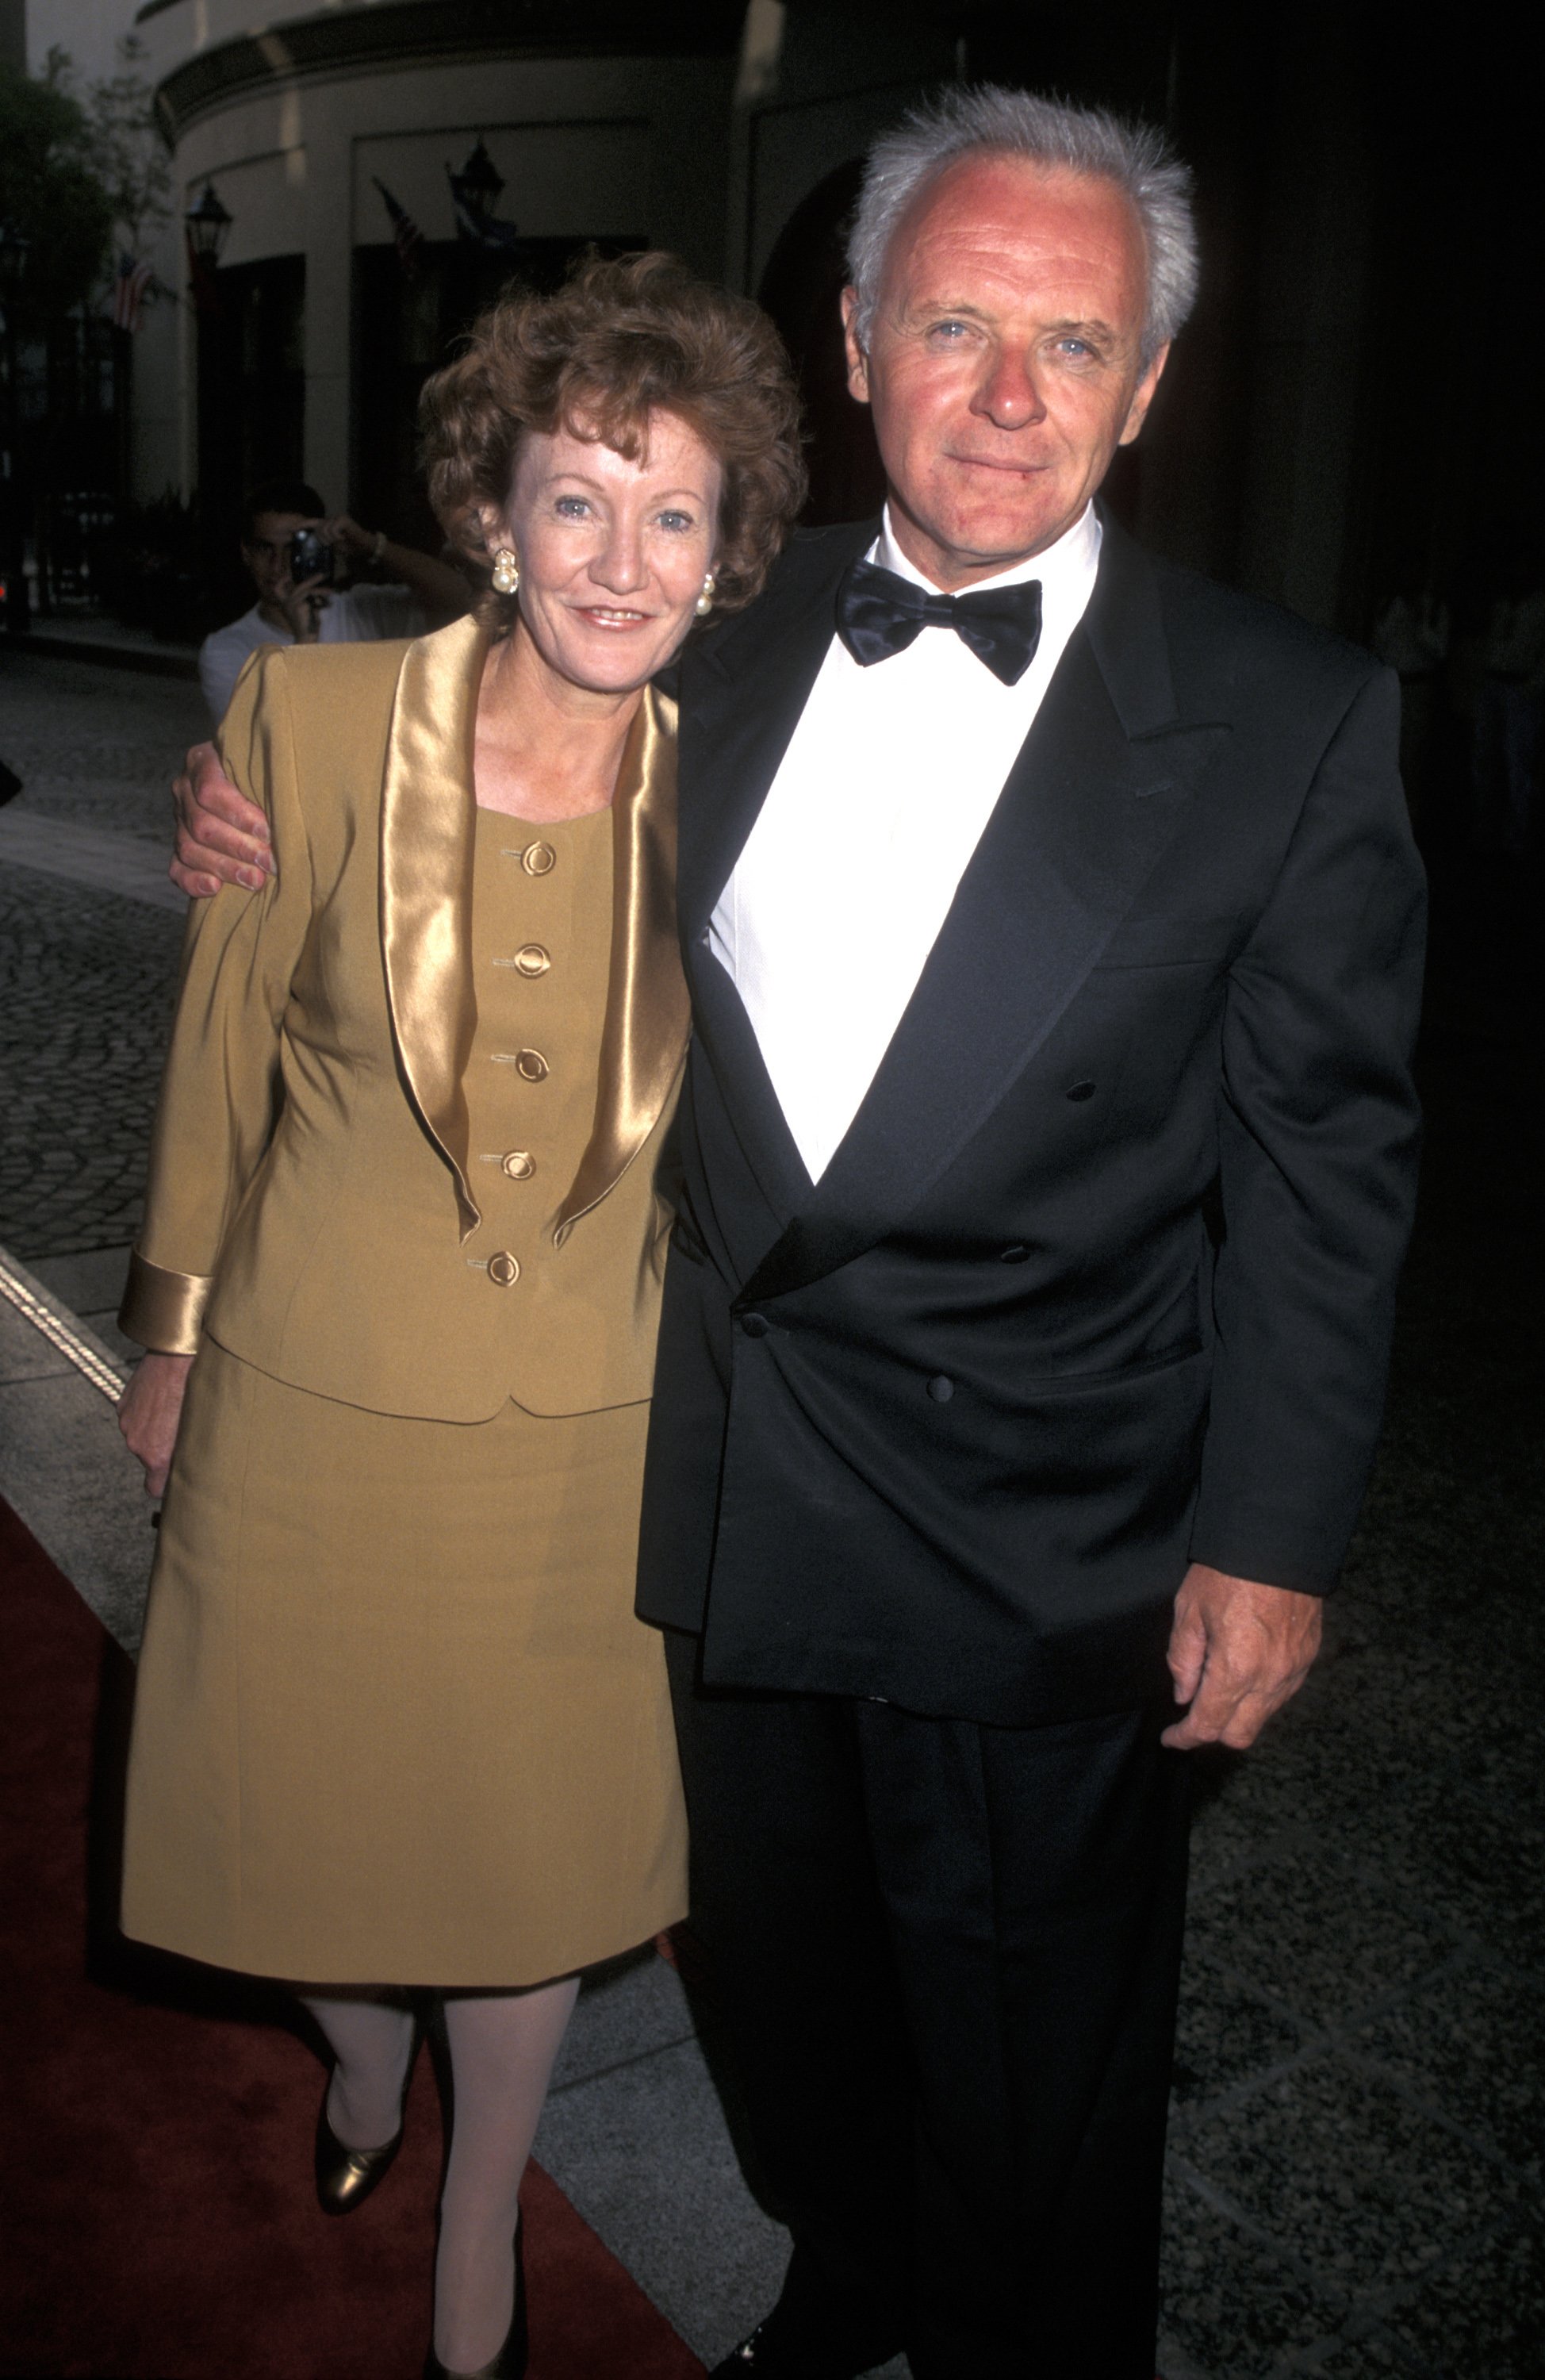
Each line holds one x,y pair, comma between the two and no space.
801,289
405,328
251,399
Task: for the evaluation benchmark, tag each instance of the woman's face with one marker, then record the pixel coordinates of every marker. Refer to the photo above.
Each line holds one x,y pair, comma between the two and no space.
613,554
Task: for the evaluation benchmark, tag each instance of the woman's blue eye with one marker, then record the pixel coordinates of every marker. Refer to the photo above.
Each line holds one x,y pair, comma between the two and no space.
676,521
573,507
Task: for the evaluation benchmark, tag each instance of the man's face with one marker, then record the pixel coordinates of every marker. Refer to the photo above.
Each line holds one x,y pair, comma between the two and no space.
1004,365
267,551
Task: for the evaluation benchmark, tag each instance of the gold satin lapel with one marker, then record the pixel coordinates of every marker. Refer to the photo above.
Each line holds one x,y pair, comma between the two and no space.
427,824
647,1017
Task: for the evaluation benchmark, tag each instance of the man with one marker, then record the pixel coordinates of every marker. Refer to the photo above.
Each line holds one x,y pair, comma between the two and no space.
308,610
1045,1162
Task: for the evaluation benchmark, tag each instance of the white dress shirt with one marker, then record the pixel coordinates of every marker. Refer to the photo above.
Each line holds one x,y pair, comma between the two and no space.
881,799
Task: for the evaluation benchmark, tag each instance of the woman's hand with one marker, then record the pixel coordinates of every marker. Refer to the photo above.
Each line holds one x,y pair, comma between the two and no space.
149,1412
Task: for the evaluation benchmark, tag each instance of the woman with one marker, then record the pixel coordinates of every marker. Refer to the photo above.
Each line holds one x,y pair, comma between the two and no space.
396,1723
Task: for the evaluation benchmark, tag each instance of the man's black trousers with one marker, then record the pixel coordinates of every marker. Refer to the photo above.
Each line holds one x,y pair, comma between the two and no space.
946,1958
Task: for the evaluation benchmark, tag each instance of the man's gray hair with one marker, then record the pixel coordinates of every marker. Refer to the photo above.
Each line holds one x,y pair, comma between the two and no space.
994,120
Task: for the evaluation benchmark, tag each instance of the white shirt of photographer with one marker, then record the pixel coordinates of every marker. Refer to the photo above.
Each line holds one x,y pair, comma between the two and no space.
880,800
354,615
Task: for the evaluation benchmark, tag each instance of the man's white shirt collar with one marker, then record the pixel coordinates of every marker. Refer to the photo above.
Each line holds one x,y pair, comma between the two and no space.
1066,569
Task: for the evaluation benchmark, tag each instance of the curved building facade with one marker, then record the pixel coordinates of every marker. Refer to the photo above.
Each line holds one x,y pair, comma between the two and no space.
330,137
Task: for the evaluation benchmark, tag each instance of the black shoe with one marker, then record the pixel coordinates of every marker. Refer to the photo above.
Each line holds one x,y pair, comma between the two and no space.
511,2362
770,2355
347,2176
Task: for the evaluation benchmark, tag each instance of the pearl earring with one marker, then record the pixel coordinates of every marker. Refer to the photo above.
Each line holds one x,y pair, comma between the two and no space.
706,600
506,570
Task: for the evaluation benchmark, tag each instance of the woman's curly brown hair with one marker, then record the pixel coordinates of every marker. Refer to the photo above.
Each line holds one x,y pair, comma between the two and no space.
623,337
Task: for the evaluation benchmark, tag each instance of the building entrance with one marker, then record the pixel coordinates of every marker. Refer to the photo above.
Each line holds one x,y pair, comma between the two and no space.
405,326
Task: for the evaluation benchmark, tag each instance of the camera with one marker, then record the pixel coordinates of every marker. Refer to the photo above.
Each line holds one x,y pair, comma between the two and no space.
311,556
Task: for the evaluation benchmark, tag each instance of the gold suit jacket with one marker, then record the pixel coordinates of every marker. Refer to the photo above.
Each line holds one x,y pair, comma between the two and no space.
309,1192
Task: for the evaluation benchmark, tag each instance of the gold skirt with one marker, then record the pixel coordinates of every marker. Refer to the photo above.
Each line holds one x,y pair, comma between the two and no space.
396,1722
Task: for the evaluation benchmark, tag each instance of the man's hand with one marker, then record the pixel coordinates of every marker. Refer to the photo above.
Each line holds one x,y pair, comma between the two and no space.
439,586
149,1412
346,537
1238,1651
303,606
221,837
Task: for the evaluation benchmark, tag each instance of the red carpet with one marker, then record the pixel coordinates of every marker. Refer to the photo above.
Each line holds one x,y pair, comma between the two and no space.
156,2120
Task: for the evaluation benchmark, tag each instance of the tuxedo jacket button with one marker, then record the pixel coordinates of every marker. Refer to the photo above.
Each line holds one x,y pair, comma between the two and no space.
1015,1255
941,1388
755,1325
1080,1090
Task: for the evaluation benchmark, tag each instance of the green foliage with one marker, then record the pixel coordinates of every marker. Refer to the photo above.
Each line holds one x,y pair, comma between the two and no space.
128,156
51,192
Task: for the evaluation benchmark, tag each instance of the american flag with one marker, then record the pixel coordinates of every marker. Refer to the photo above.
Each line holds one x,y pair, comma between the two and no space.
404,231
128,292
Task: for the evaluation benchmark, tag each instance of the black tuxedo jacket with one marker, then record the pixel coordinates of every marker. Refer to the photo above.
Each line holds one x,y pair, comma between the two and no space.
1100,1280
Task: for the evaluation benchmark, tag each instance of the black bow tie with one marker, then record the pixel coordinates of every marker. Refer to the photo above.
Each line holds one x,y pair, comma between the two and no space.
878,614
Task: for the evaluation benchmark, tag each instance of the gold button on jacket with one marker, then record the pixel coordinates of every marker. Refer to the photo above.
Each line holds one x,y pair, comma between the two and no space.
331,1249
342,1569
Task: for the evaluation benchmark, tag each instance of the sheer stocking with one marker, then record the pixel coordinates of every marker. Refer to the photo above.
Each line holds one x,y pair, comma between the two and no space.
502,2050
372,2041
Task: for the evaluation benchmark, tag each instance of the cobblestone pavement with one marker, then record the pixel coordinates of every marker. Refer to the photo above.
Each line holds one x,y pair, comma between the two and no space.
86,978
85,987
1355,2173
96,744
1354,2180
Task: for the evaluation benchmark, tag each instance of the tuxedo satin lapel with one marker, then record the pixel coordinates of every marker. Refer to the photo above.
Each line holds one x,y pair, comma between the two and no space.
428,827
1085,813
741,702
645,1036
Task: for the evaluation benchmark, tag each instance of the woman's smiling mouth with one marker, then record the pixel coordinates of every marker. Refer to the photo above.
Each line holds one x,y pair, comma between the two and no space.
605,615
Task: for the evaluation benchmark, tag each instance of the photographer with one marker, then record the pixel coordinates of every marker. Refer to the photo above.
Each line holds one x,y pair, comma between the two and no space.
294,554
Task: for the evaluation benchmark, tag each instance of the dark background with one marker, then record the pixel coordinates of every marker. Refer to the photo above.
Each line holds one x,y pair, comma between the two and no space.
1349,417
1350,414
1352,411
